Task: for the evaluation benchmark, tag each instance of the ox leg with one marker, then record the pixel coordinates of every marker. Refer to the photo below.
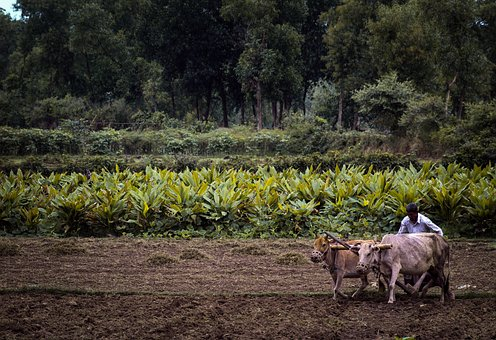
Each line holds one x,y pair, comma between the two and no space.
442,281
365,283
382,287
334,285
392,282
338,281
435,280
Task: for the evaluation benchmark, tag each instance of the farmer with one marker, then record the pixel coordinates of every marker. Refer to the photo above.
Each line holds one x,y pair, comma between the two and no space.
416,223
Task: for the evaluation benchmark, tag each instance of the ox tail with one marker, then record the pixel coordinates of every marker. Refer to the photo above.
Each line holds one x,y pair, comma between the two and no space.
446,285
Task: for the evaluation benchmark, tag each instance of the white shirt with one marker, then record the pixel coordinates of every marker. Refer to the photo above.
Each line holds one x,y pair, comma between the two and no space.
422,225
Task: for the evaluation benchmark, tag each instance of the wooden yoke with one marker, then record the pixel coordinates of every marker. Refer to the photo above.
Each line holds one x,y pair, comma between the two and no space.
338,247
342,243
383,246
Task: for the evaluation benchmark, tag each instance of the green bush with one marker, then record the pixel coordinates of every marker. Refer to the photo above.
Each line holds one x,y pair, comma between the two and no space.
50,112
37,142
104,142
472,140
221,144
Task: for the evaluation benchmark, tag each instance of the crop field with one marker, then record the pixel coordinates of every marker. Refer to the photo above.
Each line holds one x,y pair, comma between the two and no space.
115,288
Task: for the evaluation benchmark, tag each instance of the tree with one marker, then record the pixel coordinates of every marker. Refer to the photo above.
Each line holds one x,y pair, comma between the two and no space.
464,67
486,33
100,54
282,79
8,101
46,63
271,57
402,42
313,51
348,60
8,37
382,104
196,47
257,18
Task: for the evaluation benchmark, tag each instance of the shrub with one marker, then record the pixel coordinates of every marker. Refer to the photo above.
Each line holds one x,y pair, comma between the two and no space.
49,112
104,142
382,104
36,142
220,144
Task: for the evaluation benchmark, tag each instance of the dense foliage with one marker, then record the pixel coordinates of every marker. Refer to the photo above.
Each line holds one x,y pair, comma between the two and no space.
86,85
349,200
127,64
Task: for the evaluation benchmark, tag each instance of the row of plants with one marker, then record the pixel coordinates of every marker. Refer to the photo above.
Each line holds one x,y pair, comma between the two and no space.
208,202
47,164
235,141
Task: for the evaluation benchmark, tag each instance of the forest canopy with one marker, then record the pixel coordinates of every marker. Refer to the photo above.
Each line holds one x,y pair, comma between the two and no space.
416,69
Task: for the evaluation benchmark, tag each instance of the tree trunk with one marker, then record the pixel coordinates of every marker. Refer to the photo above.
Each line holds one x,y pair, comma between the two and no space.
448,94
88,70
173,100
197,108
225,118
206,115
274,114
259,106
305,91
339,123
460,106
242,109
282,108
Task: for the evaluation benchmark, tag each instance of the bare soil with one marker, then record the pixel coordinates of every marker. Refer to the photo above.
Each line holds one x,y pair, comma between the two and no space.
122,288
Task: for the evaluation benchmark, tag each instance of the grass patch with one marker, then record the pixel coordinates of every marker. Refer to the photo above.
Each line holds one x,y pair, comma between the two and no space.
8,248
161,259
66,248
193,254
291,259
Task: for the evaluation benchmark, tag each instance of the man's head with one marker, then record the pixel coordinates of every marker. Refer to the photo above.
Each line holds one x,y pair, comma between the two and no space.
412,212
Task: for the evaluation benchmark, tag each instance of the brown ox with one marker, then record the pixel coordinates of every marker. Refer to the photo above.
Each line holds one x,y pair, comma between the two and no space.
340,263
413,254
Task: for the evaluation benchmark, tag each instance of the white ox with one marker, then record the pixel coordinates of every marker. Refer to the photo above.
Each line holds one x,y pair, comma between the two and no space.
412,254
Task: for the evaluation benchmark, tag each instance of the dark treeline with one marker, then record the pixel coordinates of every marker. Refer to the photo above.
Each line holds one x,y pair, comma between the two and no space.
351,64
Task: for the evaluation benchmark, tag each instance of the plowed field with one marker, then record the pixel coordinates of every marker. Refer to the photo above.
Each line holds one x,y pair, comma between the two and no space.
121,288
